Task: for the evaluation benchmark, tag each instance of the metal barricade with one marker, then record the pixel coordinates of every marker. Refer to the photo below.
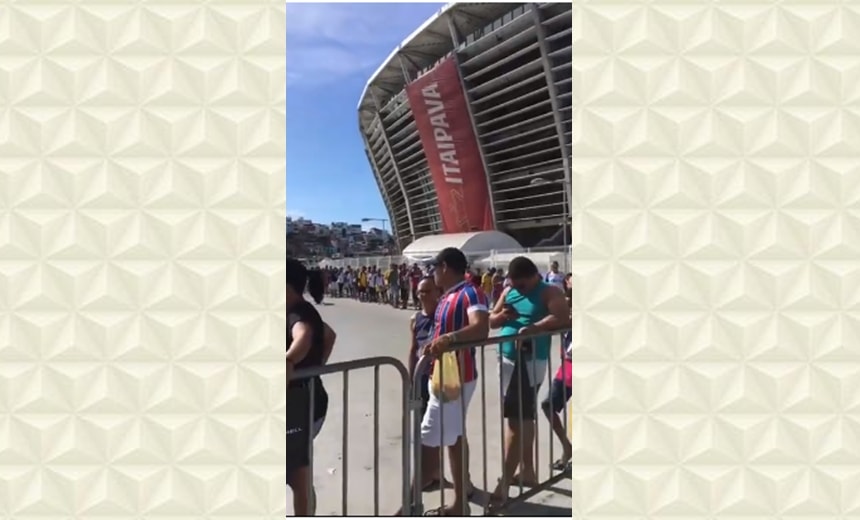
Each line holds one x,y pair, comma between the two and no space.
312,377
554,475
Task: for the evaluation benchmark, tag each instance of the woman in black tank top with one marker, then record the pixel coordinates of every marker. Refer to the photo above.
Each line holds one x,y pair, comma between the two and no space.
309,343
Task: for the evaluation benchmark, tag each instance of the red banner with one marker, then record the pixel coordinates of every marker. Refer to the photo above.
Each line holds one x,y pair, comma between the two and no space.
439,107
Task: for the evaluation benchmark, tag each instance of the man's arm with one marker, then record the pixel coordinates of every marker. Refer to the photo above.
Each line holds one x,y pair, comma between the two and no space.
556,304
498,316
477,329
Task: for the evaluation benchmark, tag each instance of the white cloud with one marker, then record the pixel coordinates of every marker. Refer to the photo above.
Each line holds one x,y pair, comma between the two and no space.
325,63
354,23
329,42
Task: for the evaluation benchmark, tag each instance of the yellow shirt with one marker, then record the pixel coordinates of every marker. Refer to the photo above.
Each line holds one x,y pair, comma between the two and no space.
362,279
487,283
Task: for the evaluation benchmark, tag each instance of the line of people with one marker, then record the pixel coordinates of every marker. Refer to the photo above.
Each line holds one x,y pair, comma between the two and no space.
398,285
394,286
451,308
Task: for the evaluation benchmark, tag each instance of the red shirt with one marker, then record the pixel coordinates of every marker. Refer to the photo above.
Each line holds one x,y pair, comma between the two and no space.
452,314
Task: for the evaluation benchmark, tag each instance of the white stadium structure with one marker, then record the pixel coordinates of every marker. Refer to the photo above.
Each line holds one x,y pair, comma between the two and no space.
467,124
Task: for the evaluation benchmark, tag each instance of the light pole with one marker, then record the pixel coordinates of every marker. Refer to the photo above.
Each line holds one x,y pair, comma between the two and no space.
540,181
381,221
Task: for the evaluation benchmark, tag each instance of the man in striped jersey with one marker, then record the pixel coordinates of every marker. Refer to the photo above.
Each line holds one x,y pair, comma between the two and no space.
461,316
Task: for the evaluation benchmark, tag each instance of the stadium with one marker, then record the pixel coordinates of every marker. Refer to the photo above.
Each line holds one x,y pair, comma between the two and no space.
467,124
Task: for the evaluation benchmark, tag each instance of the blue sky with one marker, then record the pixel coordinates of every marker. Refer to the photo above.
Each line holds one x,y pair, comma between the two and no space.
332,49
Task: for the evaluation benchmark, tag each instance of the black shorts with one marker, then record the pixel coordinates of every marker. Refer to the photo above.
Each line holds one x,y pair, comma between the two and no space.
298,418
559,394
300,421
404,293
520,393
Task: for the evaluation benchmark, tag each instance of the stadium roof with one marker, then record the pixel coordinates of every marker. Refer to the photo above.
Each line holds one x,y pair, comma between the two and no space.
424,47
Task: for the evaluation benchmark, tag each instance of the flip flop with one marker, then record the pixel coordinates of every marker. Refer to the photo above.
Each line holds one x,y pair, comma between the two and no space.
494,502
471,494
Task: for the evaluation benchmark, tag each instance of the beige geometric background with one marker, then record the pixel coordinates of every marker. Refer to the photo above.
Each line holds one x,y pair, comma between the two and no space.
717,260
142,206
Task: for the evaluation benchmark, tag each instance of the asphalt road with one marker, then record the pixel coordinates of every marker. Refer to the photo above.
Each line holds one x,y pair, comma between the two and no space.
369,330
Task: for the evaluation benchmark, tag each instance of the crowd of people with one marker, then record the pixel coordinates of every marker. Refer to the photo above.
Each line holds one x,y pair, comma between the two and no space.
397,285
453,305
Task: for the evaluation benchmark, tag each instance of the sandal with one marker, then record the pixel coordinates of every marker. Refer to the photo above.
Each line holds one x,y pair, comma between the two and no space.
495,501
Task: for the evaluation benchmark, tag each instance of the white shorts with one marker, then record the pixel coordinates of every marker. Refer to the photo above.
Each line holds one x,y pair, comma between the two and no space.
535,368
448,415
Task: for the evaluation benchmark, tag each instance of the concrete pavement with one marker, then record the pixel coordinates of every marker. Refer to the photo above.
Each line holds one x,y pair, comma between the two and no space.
369,330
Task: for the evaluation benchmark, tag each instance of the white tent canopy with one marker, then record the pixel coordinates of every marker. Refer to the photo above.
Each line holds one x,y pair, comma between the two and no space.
542,259
473,245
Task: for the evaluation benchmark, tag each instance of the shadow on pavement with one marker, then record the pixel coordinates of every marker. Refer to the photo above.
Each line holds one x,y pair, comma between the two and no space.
530,509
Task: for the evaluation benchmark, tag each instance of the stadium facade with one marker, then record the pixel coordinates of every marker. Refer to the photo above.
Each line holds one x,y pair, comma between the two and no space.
467,124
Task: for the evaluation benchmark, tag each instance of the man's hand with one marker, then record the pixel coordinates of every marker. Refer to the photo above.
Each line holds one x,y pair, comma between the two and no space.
438,345
509,314
528,329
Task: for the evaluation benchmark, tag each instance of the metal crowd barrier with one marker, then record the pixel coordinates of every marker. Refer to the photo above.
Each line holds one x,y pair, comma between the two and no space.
345,368
411,403
554,476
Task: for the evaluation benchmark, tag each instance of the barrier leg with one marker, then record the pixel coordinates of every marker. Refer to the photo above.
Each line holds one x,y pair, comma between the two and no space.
344,479
518,374
312,506
484,424
502,436
549,412
441,437
407,444
534,449
417,505
462,491
376,440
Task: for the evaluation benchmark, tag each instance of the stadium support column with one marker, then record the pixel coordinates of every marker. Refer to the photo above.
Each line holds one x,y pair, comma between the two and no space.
455,40
387,144
376,176
556,110
403,69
